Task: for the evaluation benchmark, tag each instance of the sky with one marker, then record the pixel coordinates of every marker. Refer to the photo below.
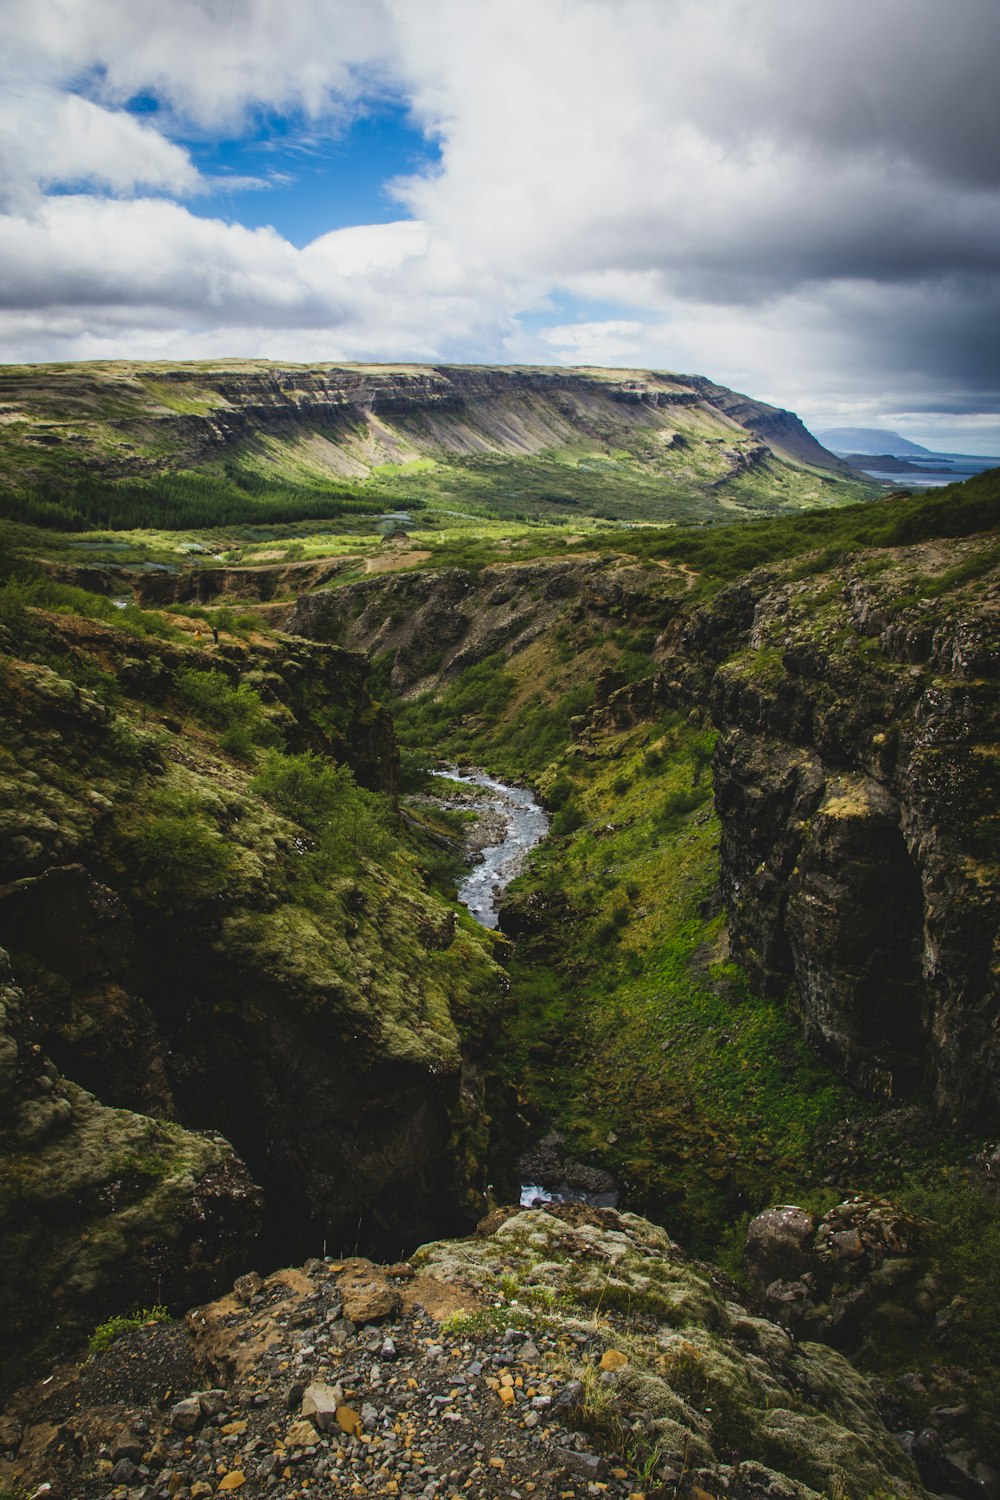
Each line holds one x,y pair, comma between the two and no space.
798,200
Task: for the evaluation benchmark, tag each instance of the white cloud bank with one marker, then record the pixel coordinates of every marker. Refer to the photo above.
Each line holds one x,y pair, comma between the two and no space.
802,201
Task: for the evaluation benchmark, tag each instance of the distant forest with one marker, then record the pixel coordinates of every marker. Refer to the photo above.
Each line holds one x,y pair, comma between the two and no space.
180,502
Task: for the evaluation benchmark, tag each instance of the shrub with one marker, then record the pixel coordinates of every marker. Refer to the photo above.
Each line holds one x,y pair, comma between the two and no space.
238,711
325,798
106,1333
181,852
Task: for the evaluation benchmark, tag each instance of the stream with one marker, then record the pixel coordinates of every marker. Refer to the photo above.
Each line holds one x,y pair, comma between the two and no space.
521,824
511,817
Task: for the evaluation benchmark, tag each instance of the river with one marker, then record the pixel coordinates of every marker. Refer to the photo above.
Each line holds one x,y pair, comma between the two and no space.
522,823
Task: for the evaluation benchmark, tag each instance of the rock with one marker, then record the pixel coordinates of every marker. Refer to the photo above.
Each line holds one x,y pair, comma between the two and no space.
586,1465
348,1420
123,1472
367,1296
234,1480
613,1359
858,1265
247,1286
128,1445
319,1404
301,1434
778,1243
185,1415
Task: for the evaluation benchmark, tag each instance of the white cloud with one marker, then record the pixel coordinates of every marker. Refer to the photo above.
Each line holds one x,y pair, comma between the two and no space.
49,139
803,201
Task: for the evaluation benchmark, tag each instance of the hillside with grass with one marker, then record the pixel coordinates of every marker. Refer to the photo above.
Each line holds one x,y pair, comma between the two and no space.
134,445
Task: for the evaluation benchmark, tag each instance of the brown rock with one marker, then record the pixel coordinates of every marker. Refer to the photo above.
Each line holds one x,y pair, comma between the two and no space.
348,1421
367,1296
301,1434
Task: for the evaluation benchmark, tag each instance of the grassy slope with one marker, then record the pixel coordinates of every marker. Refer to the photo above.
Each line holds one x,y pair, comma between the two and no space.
125,445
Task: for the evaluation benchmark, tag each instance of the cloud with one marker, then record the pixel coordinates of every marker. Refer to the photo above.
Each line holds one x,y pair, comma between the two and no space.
51,139
800,200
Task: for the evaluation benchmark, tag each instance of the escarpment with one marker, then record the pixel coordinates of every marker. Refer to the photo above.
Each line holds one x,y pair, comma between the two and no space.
855,781
431,625
346,420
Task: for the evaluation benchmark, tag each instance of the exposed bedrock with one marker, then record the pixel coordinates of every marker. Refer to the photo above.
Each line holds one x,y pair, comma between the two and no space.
100,1209
855,778
857,795
172,994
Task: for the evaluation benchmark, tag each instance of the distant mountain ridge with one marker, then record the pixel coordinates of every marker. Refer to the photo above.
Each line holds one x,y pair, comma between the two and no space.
874,440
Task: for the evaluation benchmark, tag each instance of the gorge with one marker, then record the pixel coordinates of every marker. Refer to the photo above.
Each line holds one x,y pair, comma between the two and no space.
752,962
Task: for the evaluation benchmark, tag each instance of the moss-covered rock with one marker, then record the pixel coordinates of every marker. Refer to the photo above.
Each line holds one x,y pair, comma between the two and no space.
718,1394
101,1210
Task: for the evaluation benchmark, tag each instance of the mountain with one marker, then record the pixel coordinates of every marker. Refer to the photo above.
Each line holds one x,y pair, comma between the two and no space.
198,444
871,440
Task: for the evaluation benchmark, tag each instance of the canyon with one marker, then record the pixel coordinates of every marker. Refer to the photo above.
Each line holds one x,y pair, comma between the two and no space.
753,962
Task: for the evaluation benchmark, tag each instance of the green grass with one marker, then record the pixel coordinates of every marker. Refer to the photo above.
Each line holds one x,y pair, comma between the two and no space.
628,1028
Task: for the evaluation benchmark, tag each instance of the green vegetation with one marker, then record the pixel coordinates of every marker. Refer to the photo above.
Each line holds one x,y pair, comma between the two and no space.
181,501
238,712
105,1333
629,1028
720,554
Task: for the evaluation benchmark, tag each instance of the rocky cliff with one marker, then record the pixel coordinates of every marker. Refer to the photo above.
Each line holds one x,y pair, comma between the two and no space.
341,422
213,926
433,625
855,782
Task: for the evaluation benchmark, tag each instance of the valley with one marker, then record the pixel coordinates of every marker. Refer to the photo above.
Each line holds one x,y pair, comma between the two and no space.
249,1025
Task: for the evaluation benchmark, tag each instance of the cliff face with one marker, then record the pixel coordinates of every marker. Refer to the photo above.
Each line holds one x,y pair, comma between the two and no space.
191,950
125,419
435,624
100,1208
856,786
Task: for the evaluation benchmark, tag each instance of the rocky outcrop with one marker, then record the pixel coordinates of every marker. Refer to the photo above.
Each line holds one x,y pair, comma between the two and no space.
191,952
435,623
570,1350
858,807
860,1271
100,1209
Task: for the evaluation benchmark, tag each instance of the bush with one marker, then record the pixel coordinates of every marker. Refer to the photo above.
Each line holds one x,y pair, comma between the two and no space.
325,799
238,711
181,852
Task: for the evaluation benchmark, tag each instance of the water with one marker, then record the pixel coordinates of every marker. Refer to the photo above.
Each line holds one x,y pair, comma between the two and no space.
525,825
533,1194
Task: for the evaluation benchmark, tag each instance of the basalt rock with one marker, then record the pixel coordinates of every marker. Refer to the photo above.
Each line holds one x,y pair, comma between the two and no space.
860,1270
858,804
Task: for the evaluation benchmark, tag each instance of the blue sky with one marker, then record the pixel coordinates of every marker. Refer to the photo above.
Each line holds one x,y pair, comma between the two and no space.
316,180
805,210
